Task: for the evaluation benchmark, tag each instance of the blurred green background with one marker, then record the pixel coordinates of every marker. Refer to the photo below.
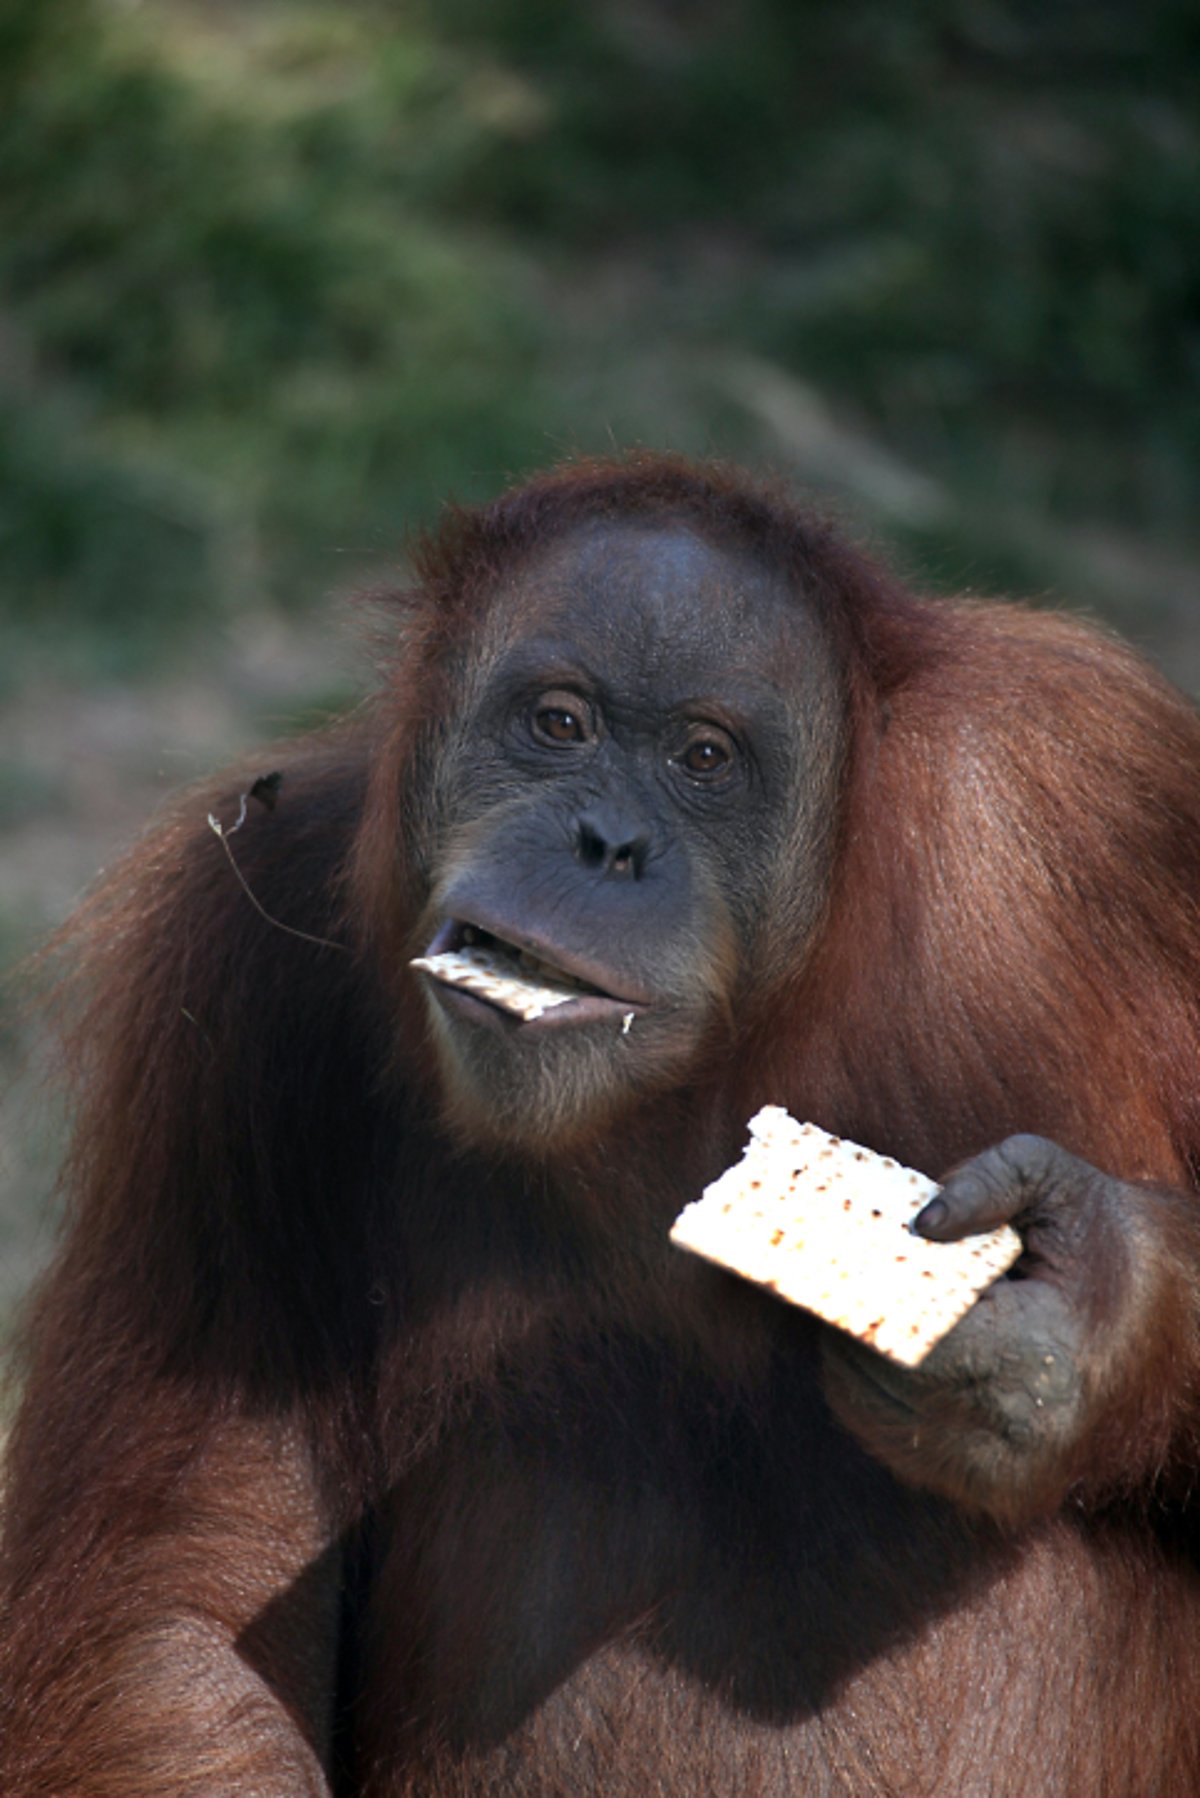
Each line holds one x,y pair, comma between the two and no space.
278,276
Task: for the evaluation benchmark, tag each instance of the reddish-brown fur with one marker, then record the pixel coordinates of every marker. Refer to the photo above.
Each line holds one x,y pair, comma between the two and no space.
346,1464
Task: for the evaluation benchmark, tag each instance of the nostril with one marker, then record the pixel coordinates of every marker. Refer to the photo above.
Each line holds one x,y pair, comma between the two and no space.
609,846
592,848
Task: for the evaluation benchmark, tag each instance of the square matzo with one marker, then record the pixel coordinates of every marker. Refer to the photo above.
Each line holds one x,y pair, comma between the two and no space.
824,1224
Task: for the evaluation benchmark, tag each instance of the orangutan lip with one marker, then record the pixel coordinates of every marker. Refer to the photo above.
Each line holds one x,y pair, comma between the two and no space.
530,958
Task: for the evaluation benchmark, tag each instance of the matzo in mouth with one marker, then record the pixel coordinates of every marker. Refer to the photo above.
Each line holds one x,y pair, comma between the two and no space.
498,975
824,1223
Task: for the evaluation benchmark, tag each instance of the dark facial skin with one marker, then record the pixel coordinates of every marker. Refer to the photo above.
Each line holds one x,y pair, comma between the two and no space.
650,733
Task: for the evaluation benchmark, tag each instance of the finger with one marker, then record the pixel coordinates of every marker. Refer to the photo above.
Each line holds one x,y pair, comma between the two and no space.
992,1189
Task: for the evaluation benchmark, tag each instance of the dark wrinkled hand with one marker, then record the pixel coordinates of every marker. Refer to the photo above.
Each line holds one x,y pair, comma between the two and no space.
1000,1413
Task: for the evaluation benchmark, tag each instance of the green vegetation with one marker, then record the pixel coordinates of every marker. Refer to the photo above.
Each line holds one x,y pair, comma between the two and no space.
274,278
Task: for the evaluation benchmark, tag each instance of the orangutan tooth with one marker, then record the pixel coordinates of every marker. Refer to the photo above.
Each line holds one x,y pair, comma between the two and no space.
824,1223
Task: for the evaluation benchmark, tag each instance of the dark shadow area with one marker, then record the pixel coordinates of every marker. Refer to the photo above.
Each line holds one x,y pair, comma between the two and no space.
616,1504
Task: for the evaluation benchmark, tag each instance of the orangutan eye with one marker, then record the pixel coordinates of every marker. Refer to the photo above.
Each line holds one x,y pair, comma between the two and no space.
559,719
706,756
559,725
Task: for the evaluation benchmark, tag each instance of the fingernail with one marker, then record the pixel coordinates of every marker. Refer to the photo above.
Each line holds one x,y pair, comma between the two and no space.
932,1217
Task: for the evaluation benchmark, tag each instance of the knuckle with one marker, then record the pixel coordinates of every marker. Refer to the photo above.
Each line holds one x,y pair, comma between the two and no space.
1028,1156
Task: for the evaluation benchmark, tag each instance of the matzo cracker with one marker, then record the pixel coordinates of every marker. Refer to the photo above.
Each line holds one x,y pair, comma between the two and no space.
824,1224
495,976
